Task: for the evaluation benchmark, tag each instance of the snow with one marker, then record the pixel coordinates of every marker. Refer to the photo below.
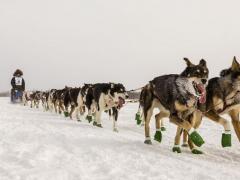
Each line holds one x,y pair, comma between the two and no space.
42,145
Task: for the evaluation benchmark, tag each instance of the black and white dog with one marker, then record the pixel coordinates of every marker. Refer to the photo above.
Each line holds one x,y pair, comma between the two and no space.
73,99
103,97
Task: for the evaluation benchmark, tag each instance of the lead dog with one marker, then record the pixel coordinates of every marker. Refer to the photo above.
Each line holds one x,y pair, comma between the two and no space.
176,96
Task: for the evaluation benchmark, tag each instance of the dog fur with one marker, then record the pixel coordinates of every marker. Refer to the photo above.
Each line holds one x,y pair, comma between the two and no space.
174,96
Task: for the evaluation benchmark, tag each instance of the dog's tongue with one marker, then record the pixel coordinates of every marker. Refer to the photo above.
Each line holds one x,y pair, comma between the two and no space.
121,102
202,90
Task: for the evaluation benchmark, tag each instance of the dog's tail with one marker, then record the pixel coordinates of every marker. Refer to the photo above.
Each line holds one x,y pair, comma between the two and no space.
146,98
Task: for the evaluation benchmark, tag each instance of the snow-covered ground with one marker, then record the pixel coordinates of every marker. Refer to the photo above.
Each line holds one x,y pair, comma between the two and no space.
40,145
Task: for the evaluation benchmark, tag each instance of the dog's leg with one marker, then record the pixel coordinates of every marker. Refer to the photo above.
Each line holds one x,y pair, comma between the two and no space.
235,122
82,111
162,126
184,124
196,120
158,119
59,108
142,121
218,103
71,112
97,120
37,104
185,139
50,106
218,119
148,114
77,111
176,148
226,136
43,105
138,116
115,118
65,109
55,107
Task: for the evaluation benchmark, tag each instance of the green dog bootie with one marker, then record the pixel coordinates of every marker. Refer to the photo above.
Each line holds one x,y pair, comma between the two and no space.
138,118
196,151
89,118
163,128
196,139
176,149
66,114
226,139
158,136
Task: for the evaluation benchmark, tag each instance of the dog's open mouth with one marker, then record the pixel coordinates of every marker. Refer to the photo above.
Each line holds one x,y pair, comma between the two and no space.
121,102
200,92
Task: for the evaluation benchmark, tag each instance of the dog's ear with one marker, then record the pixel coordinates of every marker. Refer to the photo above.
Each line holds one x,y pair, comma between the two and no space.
203,63
188,62
225,72
235,65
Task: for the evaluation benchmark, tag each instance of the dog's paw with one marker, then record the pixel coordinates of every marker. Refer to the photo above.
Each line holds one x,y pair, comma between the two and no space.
196,138
176,149
158,136
89,118
148,142
196,151
226,139
66,114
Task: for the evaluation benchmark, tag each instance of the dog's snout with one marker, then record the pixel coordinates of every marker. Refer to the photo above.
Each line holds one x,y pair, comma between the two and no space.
204,81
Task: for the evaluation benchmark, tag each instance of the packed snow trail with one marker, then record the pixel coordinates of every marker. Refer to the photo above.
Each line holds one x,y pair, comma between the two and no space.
42,145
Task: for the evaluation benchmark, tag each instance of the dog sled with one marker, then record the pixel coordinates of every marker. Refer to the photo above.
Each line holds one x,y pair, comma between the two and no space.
16,96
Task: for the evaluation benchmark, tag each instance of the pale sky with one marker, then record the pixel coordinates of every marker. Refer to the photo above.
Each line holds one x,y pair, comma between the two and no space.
69,42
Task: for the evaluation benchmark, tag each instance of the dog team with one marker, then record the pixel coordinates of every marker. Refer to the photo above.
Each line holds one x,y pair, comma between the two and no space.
183,98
